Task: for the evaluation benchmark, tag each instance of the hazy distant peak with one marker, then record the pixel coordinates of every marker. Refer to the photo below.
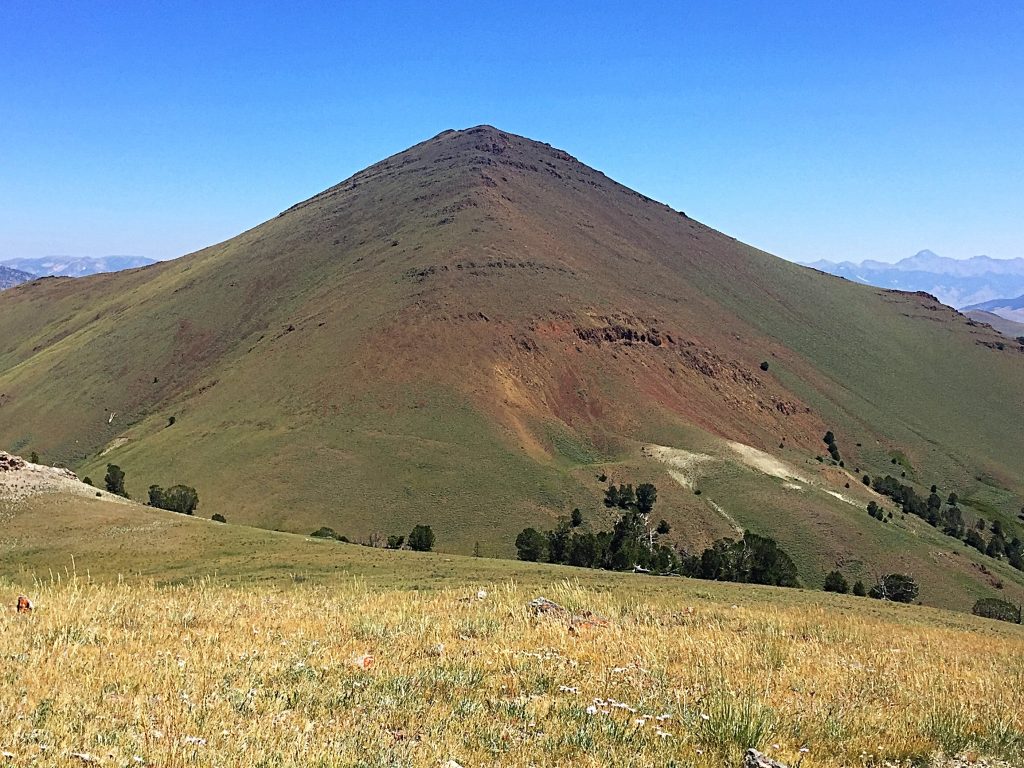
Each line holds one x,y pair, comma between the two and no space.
76,266
957,282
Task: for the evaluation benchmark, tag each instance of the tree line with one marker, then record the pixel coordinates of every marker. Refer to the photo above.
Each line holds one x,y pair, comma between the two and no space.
183,499
634,543
948,517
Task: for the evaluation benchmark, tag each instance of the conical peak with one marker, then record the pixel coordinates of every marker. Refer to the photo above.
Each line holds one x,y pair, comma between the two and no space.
453,152
494,141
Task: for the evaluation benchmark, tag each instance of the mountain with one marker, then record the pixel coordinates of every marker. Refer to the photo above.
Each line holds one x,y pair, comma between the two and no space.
1008,309
480,332
1006,327
71,266
954,282
12,277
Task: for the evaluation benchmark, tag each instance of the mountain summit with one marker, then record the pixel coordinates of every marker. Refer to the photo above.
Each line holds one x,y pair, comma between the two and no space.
469,332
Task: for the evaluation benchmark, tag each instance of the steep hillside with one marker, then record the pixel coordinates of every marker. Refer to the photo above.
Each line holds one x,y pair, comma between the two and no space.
468,333
1006,327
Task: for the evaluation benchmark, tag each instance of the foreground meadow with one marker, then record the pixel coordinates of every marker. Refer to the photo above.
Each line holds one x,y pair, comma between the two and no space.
297,674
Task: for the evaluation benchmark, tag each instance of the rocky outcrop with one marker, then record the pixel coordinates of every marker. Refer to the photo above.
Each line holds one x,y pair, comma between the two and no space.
9,463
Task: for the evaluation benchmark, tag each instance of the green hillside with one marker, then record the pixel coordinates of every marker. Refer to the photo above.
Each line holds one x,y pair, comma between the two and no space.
469,333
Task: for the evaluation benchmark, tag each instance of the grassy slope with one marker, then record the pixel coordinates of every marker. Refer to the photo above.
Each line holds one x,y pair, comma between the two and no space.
406,348
260,667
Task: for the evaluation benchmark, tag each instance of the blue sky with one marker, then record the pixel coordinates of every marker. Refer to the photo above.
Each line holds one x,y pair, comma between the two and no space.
818,129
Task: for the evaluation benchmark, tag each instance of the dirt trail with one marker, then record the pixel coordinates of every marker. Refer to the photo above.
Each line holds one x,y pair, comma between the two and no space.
727,517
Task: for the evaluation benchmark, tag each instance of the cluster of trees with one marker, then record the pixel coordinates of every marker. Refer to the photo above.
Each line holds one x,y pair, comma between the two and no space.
751,560
624,497
833,449
634,544
897,587
948,517
177,498
631,544
994,608
420,538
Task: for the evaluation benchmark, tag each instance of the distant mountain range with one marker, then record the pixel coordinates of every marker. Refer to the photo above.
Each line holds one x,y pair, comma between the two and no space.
71,266
11,277
1009,309
958,283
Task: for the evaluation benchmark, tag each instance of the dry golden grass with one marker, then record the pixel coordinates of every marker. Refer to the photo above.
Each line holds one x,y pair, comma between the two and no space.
267,676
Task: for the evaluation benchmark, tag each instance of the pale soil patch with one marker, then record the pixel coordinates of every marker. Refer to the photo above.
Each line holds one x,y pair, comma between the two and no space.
33,479
686,465
765,462
685,468
117,442
841,497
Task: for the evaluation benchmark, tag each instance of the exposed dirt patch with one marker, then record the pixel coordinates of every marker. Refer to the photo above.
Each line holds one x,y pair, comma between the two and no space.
116,443
841,497
20,479
685,465
765,462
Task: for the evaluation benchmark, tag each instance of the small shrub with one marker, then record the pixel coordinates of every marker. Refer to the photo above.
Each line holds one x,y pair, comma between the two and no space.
764,366
33,457
664,527
219,518
395,542
858,589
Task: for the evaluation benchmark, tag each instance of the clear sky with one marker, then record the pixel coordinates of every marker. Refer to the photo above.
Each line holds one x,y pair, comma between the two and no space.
842,130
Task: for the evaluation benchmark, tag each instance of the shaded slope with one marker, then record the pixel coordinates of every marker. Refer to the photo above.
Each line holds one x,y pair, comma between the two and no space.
457,333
